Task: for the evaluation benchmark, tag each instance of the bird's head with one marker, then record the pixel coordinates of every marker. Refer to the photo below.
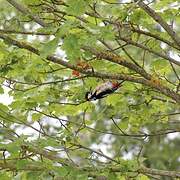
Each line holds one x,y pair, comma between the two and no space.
88,96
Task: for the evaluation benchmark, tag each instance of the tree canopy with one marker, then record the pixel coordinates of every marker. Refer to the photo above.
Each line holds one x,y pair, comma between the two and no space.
54,51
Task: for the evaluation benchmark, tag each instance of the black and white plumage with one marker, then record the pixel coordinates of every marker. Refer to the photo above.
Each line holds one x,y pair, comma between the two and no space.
103,90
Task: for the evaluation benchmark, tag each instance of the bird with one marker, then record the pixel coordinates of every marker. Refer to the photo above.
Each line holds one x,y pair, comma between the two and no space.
103,90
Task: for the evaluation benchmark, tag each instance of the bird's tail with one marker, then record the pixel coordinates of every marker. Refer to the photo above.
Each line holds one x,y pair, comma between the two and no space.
120,83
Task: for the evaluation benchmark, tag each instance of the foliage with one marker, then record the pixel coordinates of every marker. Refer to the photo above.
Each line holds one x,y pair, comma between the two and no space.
52,52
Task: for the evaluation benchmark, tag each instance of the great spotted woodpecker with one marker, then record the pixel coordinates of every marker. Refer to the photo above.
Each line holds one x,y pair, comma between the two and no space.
103,90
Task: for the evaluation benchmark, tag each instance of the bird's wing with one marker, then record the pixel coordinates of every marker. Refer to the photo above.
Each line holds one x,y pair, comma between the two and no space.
103,87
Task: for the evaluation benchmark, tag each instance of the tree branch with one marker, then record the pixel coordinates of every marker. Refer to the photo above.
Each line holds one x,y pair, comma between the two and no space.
27,12
118,60
8,31
145,170
150,50
155,36
11,165
160,20
154,83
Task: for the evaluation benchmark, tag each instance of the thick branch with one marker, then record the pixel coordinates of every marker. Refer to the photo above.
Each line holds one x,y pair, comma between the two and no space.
12,167
160,20
145,170
119,60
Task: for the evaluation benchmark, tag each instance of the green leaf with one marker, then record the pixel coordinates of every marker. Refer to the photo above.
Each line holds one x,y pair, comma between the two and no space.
20,164
142,177
16,104
36,116
107,32
123,125
49,48
72,47
82,177
77,7
3,108
112,176
160,64
5,175
112,99
33,175
61,171
87,106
